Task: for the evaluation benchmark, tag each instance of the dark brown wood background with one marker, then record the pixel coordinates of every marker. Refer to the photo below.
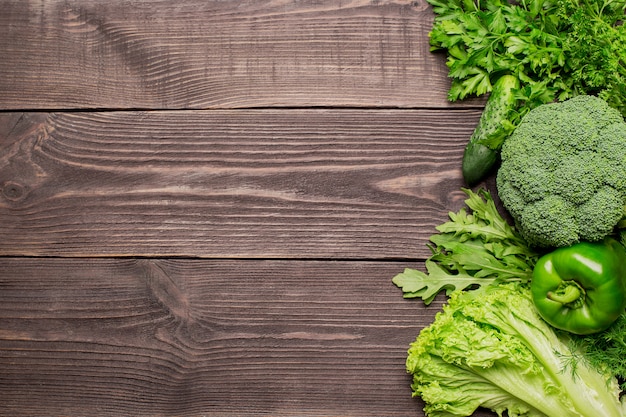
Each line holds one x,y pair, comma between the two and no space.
203,203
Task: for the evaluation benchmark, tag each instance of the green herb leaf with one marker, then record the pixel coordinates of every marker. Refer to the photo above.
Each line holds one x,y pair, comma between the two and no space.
557,49
475,248
417,284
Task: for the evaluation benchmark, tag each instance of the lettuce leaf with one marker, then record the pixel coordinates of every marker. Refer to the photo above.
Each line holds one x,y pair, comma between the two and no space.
489,348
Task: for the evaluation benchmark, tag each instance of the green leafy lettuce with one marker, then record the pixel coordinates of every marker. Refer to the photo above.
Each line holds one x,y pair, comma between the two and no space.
489,348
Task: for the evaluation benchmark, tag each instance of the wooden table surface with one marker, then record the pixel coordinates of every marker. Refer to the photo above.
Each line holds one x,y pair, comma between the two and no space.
203,203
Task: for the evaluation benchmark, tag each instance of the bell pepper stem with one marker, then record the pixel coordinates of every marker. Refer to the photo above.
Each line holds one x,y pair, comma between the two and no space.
569,292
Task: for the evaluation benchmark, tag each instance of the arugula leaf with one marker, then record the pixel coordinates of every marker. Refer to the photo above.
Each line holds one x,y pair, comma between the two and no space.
472,249
417,284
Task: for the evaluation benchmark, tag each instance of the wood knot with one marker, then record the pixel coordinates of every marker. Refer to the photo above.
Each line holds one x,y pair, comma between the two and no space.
165,290
13,191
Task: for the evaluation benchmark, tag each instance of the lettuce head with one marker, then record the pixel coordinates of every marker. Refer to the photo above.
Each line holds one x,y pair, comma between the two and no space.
489,348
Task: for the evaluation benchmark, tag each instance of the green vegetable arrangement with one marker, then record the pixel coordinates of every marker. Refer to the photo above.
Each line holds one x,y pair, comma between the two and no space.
535,322
492,346
556,49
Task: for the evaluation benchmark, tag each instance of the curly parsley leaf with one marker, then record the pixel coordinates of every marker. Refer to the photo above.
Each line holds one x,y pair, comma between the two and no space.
557,49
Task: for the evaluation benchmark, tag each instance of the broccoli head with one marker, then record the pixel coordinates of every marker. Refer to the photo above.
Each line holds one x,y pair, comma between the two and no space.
563,172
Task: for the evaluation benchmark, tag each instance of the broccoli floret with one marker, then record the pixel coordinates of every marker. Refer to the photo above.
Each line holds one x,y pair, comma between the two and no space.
563,172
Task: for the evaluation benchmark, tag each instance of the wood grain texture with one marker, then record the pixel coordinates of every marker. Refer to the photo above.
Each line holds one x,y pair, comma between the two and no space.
161,337
351,184
60,54
223,243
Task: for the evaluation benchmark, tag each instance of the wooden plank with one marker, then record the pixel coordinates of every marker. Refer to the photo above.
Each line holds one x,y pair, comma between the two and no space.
351,184
110,337
60,54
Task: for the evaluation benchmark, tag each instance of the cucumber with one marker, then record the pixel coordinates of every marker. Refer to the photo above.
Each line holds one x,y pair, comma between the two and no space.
483,149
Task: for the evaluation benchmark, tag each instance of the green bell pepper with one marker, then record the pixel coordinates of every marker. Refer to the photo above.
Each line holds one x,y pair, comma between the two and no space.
581,288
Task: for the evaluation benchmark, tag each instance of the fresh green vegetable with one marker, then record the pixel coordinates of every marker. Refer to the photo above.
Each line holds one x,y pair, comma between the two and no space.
486,39
472,249
595,48
606,349
489,348
483,148
562,176
556,49
581,288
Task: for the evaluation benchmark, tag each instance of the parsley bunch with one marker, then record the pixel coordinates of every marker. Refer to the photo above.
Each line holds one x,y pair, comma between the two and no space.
556,48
